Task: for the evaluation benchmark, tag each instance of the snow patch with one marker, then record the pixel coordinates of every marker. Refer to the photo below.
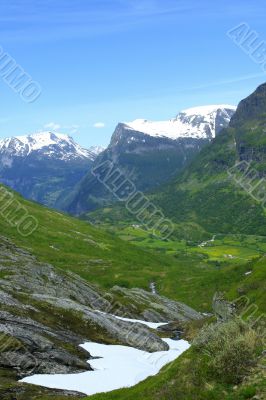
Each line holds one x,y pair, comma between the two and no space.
96,149
115,366
151,325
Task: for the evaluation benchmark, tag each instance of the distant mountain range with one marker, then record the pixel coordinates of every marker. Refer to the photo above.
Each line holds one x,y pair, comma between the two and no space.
45,144
51,168
150,153
45,165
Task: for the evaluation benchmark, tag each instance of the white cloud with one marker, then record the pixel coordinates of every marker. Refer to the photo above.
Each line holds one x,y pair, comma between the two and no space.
72,128
99,125
52,126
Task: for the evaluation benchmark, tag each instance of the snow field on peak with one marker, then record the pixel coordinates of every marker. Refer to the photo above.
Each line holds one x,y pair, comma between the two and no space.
196,122
45,141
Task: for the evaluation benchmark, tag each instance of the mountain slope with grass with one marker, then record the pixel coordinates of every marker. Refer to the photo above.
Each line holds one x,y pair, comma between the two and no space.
103,258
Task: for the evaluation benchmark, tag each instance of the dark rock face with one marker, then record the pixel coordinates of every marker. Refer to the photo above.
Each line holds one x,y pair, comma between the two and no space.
42,180
147,161
249,123
138,142
253,107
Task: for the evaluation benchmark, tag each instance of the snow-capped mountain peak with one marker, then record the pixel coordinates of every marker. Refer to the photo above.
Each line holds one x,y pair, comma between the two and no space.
202,122
47,143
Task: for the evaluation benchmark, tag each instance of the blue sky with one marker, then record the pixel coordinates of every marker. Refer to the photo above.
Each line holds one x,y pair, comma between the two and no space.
104,61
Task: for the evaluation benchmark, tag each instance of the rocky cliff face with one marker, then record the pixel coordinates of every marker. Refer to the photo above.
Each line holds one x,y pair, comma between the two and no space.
249,123
251,108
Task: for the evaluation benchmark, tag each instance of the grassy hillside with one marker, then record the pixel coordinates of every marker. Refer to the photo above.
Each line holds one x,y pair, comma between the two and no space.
75,245
208,196
181,271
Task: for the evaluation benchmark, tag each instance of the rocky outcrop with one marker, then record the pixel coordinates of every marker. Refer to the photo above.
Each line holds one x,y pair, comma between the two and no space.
157,308
223,309
27,346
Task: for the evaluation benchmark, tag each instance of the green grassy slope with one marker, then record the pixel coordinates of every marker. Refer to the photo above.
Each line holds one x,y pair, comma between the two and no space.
180,273
71,244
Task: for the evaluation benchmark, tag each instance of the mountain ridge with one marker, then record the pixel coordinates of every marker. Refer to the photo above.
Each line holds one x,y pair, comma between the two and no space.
46,141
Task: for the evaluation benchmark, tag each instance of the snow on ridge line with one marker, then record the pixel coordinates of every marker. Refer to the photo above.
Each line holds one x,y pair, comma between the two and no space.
208,109
44,138
197,122
45,135
25,144
117,367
